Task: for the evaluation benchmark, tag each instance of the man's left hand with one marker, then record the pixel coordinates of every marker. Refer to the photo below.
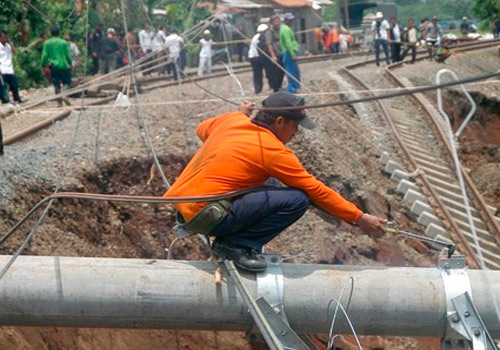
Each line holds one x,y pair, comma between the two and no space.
246,107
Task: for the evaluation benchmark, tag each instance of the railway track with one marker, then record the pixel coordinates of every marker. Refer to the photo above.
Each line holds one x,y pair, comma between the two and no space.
116,83
412,141
415,151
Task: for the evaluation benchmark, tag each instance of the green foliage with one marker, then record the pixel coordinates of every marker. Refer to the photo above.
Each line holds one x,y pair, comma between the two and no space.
448,10
330,13
488,11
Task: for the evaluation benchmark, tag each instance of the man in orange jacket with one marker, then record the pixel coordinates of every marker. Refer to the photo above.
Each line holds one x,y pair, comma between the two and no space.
239,152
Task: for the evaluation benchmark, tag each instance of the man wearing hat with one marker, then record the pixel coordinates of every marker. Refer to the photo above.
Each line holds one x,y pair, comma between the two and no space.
290,50
256,57
381,28
240,152
433,34
109,50
205,66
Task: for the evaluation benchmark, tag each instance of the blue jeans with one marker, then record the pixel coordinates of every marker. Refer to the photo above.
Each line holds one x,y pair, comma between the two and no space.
385,46
257,217
292,70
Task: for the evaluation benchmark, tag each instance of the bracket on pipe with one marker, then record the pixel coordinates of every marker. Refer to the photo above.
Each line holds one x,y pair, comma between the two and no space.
465,327
467,322
270,320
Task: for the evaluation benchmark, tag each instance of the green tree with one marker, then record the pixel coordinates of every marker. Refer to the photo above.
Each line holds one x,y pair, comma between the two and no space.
488,11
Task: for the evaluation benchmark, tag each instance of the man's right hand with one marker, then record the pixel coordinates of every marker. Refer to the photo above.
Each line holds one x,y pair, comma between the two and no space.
372,225
275,58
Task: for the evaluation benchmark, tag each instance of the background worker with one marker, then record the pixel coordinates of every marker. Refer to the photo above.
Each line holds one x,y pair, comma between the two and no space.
380,28
274,63
205,66
411,38
334,39
318,36
395,40
7,52
290,50
257,59
109,50
238,153
433,36
57,56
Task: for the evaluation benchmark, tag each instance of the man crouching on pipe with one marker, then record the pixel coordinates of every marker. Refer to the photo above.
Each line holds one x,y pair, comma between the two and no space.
240,152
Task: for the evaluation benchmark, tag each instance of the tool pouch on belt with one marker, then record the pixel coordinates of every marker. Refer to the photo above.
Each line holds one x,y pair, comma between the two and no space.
206,220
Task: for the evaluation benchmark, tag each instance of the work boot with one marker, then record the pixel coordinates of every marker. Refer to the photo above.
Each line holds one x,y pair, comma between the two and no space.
244,258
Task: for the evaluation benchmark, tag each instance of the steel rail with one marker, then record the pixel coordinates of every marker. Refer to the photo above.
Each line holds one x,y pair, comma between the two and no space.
462,241
478,200
477,197
242,69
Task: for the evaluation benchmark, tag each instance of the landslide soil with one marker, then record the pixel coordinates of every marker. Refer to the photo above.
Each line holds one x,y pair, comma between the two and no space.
109,154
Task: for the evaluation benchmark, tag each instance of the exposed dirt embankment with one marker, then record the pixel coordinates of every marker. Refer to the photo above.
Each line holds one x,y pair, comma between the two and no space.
480,142
111,157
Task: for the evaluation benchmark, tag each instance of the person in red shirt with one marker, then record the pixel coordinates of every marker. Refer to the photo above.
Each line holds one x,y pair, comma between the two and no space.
239,152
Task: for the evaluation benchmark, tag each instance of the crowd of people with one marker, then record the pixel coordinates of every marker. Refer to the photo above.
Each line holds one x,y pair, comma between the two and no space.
397,42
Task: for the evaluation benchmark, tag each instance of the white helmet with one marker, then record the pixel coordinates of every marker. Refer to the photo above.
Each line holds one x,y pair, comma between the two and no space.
262,28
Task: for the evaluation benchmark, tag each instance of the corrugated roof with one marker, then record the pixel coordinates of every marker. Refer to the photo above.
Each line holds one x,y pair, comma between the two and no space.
253,4
242,4
292,3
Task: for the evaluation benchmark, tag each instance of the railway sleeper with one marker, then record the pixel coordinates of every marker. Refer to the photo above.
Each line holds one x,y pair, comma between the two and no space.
489,251
437,174
491,260
417,135
436,167
485,235
487,248
413,121
451,186
462,212
459,205
430,159
421,146
422,152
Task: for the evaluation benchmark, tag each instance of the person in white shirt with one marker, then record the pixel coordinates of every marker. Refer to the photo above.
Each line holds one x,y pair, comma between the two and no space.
433,35
380,28
174,44
145,36
411,40
205,66
256,57
395,40
158,39
7,52
74,52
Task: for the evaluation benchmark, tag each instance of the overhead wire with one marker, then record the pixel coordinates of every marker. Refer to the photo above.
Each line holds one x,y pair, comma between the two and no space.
138,105
235,98
69,158
127,199
141,62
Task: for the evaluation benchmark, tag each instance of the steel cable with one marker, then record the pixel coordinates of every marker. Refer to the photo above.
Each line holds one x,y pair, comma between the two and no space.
69,158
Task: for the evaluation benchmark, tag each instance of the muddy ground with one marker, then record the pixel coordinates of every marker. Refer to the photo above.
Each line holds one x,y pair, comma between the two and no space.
109,154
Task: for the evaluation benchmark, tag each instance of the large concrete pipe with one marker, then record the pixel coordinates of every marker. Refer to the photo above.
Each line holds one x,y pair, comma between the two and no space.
97,292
